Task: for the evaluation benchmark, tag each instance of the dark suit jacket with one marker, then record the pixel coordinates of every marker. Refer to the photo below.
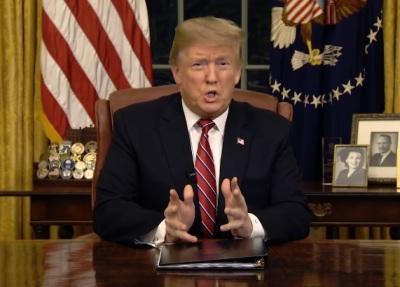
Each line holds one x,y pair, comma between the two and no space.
390,160
150,153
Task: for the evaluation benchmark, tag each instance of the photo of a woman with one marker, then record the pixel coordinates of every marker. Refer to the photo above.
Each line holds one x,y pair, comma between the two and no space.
352,170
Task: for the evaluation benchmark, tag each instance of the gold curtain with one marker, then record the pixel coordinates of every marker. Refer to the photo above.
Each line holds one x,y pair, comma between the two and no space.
21,136
391,32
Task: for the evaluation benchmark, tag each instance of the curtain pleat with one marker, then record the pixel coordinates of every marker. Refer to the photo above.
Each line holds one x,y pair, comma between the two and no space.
21,137
391,32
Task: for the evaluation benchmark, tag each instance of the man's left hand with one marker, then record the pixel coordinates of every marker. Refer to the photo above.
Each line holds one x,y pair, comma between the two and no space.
236,210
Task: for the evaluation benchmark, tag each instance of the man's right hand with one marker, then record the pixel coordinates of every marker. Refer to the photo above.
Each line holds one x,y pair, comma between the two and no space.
179,216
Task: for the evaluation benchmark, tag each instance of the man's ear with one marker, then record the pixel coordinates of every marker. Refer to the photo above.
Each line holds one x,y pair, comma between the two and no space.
238,75
175,74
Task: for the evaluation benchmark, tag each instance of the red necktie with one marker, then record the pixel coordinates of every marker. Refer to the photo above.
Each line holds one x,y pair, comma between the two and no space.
205,176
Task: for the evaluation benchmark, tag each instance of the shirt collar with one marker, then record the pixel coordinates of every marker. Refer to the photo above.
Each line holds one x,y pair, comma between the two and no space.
192,119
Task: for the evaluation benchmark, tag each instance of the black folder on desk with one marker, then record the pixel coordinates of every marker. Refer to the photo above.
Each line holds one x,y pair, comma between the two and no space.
214,254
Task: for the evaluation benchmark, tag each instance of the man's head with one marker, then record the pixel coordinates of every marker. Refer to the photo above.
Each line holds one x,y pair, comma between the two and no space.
384,143
206,62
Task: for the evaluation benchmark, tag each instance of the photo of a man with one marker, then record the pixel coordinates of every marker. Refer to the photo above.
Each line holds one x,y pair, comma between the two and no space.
383,155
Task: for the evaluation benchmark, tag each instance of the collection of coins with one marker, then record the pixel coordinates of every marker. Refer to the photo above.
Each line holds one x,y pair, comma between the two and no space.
68,160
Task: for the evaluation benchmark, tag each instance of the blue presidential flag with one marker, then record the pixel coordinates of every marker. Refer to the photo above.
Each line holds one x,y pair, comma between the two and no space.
326,60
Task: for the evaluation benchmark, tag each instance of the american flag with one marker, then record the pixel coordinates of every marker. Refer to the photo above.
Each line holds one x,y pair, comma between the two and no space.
89,49
302,11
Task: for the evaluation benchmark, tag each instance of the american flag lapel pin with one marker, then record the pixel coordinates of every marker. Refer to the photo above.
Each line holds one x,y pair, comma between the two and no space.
240,141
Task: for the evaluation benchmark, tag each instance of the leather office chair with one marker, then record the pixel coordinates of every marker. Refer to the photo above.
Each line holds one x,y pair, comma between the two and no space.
105,109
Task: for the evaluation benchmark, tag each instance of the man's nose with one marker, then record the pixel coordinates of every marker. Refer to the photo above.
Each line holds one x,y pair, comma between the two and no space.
211,74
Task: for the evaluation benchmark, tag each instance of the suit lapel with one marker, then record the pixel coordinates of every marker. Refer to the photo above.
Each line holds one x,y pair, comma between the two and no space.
237,139
235,151
176,141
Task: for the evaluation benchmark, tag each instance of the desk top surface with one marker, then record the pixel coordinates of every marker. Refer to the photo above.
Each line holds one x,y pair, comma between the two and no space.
100,263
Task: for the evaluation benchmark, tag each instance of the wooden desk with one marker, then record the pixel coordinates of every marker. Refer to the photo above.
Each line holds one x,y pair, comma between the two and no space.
303,263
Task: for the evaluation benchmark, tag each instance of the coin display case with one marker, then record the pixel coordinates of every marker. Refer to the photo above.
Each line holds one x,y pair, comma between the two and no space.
68,163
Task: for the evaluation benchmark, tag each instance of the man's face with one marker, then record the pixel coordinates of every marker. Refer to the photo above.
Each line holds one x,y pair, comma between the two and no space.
207,76
383,144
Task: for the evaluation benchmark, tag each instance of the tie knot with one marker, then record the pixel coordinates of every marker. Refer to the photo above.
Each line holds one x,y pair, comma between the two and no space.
206,125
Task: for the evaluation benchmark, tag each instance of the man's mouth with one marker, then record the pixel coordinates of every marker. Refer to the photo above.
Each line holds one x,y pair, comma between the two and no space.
211,94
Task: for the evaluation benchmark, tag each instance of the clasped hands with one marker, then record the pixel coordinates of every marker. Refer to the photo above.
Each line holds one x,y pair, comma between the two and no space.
180,214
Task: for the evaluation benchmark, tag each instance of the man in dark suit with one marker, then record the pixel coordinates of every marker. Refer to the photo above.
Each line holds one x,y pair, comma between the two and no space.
385,156
147,192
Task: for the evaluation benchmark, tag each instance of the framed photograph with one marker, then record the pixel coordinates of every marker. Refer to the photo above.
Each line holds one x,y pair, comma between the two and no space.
381,133
350,167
